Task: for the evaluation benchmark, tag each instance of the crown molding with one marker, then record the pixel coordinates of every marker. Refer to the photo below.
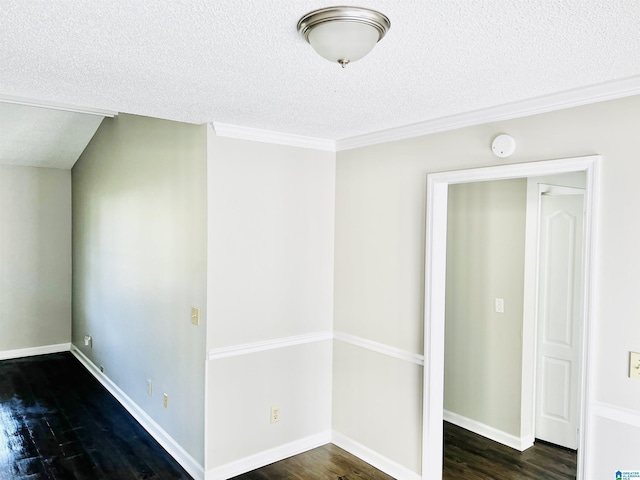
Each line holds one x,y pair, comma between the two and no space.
268,136
576,97
56,106
556,101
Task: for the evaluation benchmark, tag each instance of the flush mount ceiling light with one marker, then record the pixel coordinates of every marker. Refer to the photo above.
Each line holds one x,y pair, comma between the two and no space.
343,34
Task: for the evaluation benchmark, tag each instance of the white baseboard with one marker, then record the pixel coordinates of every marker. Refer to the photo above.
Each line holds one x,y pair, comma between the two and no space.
373,458
156,431
517,443
267,457
30,352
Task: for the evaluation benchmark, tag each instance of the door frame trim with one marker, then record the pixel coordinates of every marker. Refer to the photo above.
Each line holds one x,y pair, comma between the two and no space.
434,306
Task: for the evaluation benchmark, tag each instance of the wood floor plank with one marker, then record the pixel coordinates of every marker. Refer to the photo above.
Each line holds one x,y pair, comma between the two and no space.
328,462
58,423
468,456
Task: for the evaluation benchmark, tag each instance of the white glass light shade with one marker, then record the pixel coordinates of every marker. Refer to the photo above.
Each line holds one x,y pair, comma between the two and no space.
343,42
343,34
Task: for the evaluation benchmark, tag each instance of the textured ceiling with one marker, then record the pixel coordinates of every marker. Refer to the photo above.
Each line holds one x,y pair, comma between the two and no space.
242,62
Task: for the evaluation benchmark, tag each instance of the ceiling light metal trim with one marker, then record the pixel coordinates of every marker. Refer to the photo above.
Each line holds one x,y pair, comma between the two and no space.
367,16
343,44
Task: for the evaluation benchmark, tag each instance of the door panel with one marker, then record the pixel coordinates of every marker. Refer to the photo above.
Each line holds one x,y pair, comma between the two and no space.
556,378
559,318
559,273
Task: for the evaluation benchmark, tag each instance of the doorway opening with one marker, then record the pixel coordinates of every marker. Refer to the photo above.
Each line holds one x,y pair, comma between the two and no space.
435,281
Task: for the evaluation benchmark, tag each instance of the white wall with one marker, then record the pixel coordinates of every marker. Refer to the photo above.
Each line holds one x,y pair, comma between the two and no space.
376,399
380,209
270,282
35,257
485,261
139,265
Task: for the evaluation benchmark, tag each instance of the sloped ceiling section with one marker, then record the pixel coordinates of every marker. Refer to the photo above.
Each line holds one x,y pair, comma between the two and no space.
44,137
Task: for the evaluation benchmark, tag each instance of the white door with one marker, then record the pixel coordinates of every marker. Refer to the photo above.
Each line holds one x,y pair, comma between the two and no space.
559,315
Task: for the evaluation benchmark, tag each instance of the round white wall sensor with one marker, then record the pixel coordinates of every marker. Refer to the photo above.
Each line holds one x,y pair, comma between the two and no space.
503,145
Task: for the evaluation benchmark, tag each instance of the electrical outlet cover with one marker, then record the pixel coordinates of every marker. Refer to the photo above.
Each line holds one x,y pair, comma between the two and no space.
275,414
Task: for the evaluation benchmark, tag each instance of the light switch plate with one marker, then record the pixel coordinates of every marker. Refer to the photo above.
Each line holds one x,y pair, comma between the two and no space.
195,316
634,365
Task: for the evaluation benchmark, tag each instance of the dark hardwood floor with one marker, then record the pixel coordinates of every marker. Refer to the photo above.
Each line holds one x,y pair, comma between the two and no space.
467,457
470,456
58,422
323,463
